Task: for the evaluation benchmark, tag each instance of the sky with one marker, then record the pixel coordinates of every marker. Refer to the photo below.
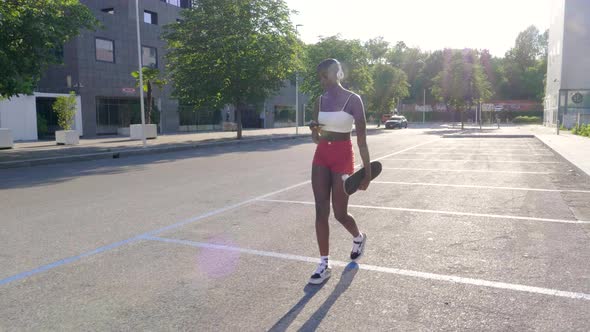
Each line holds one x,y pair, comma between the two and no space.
427,24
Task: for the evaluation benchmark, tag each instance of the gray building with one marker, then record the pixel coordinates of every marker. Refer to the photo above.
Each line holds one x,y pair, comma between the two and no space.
567,95
98,65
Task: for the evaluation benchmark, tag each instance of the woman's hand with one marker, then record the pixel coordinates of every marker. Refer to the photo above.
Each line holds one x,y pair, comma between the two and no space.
315,136
364,185
314,126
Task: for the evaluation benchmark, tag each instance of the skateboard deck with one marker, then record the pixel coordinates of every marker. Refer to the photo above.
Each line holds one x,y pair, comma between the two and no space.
351,183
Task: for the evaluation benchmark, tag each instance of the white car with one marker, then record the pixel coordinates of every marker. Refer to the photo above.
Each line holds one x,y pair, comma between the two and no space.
396,121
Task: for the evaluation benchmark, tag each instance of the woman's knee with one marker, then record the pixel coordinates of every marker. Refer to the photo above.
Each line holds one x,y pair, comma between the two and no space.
322,209
342,216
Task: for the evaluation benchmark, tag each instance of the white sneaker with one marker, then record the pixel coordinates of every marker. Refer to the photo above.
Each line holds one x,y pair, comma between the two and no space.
358,248
321,274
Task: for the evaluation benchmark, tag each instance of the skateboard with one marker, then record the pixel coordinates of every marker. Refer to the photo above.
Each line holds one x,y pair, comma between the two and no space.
351,183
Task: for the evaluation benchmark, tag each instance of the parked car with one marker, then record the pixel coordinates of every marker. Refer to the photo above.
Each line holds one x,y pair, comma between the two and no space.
396,121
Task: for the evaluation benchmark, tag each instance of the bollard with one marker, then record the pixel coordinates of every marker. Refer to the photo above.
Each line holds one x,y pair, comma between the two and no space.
557,127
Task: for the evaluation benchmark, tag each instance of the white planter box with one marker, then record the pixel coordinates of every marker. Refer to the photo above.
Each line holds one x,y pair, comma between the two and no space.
151,131
230,126
67,137
123,131
6,140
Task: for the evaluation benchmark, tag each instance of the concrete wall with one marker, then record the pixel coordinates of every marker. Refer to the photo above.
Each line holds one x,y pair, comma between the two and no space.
555,61
20,115
284,97
576,45
569,60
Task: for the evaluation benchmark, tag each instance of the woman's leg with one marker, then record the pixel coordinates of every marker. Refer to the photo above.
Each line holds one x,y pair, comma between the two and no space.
321,183
340,205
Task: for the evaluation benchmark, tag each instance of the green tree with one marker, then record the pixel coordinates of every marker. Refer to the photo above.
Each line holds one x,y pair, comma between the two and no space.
525,65
351,54
395,55
431,66
377,48
151,78
32,35
65,108
389,84
462,82
528,48
231,52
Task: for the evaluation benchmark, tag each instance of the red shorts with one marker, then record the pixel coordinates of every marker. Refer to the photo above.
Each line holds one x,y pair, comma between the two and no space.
338,156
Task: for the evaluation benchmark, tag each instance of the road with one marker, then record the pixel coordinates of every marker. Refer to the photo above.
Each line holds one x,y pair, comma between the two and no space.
464,234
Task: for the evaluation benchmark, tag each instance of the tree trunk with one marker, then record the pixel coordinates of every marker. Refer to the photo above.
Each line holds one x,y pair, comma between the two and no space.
149,103
462,112
239,119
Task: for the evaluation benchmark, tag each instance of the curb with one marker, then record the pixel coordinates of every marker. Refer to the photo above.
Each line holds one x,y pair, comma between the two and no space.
139,151
578,169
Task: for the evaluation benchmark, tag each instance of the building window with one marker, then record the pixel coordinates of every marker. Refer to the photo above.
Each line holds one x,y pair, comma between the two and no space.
172,2
149,56
178,3
150,17
108,10
105,50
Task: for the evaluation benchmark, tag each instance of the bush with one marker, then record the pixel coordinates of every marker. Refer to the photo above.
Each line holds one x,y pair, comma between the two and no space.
526,119
65,108
583,130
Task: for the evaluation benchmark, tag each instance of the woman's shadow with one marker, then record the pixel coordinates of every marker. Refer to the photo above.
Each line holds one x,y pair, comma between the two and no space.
310,291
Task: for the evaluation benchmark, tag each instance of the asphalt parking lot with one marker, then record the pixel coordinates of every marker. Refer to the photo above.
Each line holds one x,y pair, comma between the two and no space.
464,234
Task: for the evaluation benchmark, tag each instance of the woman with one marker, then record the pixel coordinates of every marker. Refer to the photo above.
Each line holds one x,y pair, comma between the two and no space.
334,114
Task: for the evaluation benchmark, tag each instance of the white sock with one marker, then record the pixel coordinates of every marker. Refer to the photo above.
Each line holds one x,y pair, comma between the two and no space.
358,238
325,260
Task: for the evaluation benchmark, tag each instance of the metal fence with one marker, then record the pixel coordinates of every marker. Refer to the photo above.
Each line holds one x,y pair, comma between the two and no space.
575,119
194,120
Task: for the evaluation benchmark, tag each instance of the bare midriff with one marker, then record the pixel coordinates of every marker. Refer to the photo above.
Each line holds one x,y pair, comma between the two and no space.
334,136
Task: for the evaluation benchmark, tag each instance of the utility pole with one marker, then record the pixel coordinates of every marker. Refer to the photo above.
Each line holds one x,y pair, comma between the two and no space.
140,75
297,90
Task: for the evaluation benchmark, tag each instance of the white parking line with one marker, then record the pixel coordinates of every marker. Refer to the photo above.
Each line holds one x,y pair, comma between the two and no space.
463,170
481,187
491,146
475,154
389,270
471,148
481,161
468,214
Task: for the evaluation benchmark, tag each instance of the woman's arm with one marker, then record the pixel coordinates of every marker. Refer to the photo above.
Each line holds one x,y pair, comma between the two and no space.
361,139
315,130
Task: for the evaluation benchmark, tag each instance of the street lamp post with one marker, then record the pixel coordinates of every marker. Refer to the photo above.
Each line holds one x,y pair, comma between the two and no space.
140,75
297,90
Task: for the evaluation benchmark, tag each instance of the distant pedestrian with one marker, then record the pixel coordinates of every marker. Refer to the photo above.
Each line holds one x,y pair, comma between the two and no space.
334,114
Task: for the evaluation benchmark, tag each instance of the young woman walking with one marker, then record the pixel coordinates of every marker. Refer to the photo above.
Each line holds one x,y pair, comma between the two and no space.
336,110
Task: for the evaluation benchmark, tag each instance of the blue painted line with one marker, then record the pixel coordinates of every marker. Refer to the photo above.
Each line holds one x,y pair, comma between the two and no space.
68,260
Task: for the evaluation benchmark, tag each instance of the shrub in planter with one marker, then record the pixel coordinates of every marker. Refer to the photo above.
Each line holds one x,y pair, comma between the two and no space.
526,119
65,108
